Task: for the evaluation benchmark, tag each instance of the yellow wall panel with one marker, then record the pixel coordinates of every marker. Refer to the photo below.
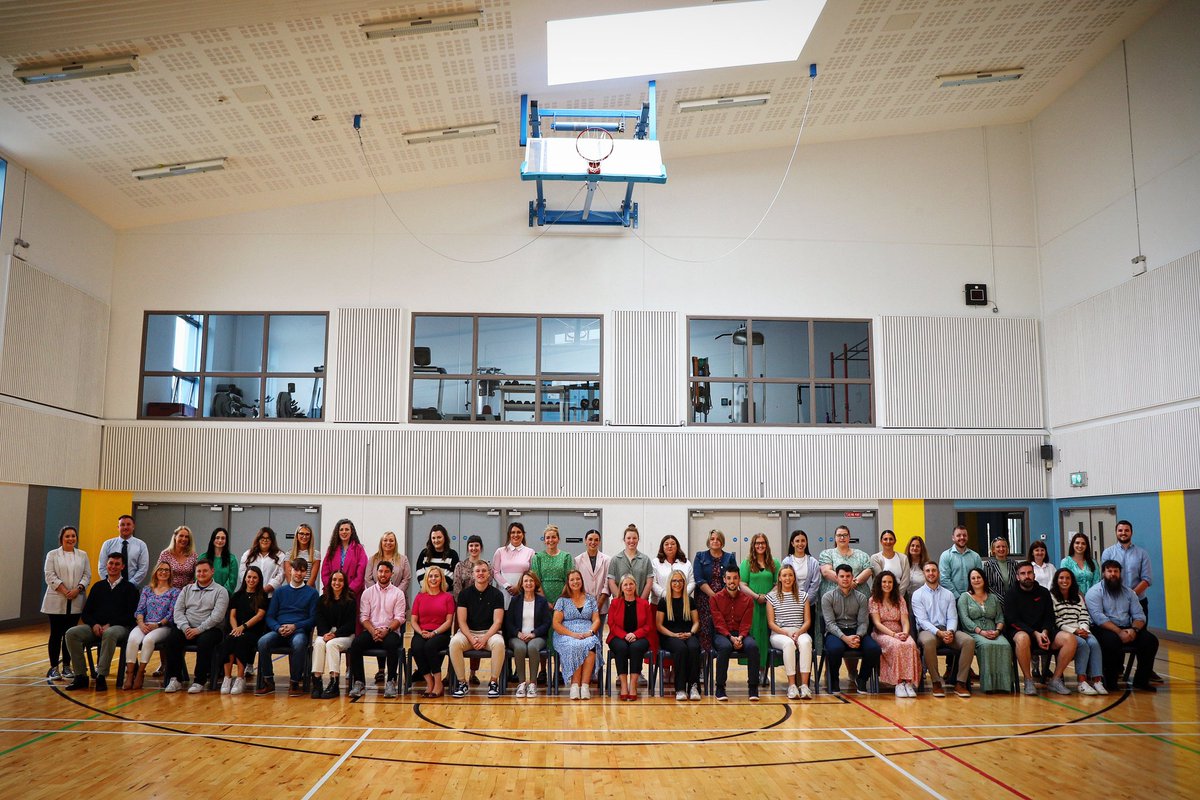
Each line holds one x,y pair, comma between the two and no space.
98,512
1177,585
908,519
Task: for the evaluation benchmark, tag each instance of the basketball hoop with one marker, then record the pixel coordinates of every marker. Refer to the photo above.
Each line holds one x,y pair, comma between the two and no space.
594,145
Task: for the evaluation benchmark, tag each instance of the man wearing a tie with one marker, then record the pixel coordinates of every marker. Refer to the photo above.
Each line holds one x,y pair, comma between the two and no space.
131,548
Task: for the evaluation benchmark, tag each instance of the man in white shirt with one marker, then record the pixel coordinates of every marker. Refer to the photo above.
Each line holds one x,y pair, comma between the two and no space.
132,549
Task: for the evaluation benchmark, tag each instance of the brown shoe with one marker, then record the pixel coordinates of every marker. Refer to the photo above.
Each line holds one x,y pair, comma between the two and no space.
938,689
961,689
267,687
295,689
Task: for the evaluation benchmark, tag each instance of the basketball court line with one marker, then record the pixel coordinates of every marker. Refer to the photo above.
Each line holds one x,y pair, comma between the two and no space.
892,764
1129,727
342,760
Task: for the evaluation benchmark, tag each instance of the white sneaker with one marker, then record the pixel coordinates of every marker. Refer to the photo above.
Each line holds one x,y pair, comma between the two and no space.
172,686
585,691
239,686
900,690
531,690
681,695
1085,688
574,695
695,693
1098,688
793,691
910,690
805,692
195,688
520,690
226,685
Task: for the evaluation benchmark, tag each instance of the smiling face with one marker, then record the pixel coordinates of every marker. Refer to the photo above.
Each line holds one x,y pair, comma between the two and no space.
887,583
1079,545
592,541
631,540
931,573
715,543
550,537
799,543
304,537
438,539
528,585
978,584
1124,532
387,544
960,538
183,538
337,583
574,583
204,574
433,579
787,578
474,549
221,540
914,549
251,581
69,538
678,584
670,548
1000,549
1064,581
1039,553
628,588
888,540
162,575
842,537
125,527
383,574
344,532
516,536
264,542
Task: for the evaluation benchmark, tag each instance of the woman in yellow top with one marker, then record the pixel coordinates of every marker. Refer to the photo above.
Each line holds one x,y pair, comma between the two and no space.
758,579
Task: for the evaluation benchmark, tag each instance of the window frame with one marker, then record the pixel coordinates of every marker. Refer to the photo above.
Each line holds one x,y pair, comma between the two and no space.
812,380
538,378
203,374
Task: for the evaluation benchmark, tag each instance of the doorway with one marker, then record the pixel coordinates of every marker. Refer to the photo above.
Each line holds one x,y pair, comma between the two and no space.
985,525
738,527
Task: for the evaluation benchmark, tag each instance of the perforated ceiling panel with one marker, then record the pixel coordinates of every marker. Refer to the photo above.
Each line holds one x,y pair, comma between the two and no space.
274,88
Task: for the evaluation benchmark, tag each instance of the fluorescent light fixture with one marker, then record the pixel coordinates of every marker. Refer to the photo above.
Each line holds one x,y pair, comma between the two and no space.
411,27
76,70
678,39
975,78
171,170
461,132
735,101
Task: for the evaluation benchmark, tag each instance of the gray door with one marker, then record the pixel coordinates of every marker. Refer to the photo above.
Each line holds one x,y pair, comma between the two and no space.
820,527
285,519
156,522
244,522
1098,524
739,528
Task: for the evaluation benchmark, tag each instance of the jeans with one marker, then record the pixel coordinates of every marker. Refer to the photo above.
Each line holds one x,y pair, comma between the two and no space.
297,642
1088,659
724,647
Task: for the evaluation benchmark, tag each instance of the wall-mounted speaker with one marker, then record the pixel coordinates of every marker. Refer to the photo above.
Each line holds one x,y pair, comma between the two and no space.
976,294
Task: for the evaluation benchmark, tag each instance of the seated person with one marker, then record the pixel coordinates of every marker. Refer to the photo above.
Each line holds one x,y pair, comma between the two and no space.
290,620
247,624
576,623
199,614
527,626
847,614
936,610
381,612
631,634
107,619
1119,622
678,624
480,618
1030,626
733,615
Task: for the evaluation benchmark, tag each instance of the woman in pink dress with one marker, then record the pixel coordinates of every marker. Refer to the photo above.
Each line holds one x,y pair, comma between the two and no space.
900,664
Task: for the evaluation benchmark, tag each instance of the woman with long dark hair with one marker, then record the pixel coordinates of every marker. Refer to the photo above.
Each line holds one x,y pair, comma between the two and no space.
437,553
1071,615
247,624
337,614
900,661
1081,562
345,554
265,554
981,616
225,566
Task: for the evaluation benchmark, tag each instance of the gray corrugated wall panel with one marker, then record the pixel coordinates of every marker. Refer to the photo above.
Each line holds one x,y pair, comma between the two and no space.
55,342
47,449
370,363
646,368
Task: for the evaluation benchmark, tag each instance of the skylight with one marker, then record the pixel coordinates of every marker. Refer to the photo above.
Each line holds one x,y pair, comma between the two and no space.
678,39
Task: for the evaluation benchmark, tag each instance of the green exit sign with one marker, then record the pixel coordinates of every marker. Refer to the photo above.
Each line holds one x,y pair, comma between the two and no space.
1078,479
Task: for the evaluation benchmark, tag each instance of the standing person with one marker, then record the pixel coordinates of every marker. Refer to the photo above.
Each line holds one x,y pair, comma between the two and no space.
631,634
936,611
1120,622
670,559
107,618
956,562
381,613
265,554
181,556
631,561
247,623
526,628
480,616
464,576
733,614
678,626
346,554
593,567
510,561
805,565
708,570
981,615
1043,568
576,626
431,619
337,614
1029,613
789,618
842,553
68,576
437,552
917,556
1001,573
389,551
133,550
225,565
551,566
1081,563
153,617
290,620
847,614
199,615
1071,615
304,545
758,573
896,563
899,660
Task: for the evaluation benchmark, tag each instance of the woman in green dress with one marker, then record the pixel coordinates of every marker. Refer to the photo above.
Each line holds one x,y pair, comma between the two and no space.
551,566
758,579
981,615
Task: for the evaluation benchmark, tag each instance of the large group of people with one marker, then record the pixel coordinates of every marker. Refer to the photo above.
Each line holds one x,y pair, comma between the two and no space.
889,616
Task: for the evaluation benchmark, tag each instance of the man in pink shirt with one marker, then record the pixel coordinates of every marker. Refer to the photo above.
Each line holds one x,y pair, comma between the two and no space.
381,612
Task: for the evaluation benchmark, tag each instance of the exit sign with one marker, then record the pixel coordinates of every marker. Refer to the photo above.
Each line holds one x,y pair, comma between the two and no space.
1078,479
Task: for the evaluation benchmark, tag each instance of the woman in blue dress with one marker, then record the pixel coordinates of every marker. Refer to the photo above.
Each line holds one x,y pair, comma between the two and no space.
576,623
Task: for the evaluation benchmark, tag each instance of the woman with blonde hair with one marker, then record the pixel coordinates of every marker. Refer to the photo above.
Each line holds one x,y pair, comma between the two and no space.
180,557
631,634
304,545
154,615
678,624
789,618
432,615
759,570
389,551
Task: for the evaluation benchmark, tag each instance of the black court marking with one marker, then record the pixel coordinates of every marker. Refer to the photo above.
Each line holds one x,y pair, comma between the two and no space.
473,765
23,649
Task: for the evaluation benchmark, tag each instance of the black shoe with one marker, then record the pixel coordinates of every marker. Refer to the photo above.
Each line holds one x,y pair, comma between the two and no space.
474,681
80,682
379,676
331,690
541,678
1145,687
101,684
316,692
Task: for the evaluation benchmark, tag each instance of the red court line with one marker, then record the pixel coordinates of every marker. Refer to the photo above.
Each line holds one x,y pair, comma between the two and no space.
944,752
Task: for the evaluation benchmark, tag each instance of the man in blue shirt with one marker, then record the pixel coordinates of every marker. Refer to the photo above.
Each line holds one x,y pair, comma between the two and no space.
1135,569
1119,622
956,563
936,610
290,619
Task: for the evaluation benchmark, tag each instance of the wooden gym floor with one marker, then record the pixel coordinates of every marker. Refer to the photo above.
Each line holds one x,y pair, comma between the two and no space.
147,744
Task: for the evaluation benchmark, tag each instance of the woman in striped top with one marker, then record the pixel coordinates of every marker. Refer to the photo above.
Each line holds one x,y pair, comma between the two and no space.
1071,615
789,621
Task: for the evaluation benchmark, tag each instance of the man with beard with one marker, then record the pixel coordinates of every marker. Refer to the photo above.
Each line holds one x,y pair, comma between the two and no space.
1029,614
1135,568
1119,621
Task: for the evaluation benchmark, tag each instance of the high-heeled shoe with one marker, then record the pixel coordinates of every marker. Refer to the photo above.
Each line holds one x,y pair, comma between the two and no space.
140,677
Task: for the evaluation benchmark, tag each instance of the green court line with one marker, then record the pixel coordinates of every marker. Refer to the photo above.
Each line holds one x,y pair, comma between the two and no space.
76,723
1119,725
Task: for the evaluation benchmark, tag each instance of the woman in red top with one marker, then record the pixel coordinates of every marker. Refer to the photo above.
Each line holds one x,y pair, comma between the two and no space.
631,634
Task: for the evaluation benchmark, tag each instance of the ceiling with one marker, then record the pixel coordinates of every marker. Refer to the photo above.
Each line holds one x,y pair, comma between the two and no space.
274,86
